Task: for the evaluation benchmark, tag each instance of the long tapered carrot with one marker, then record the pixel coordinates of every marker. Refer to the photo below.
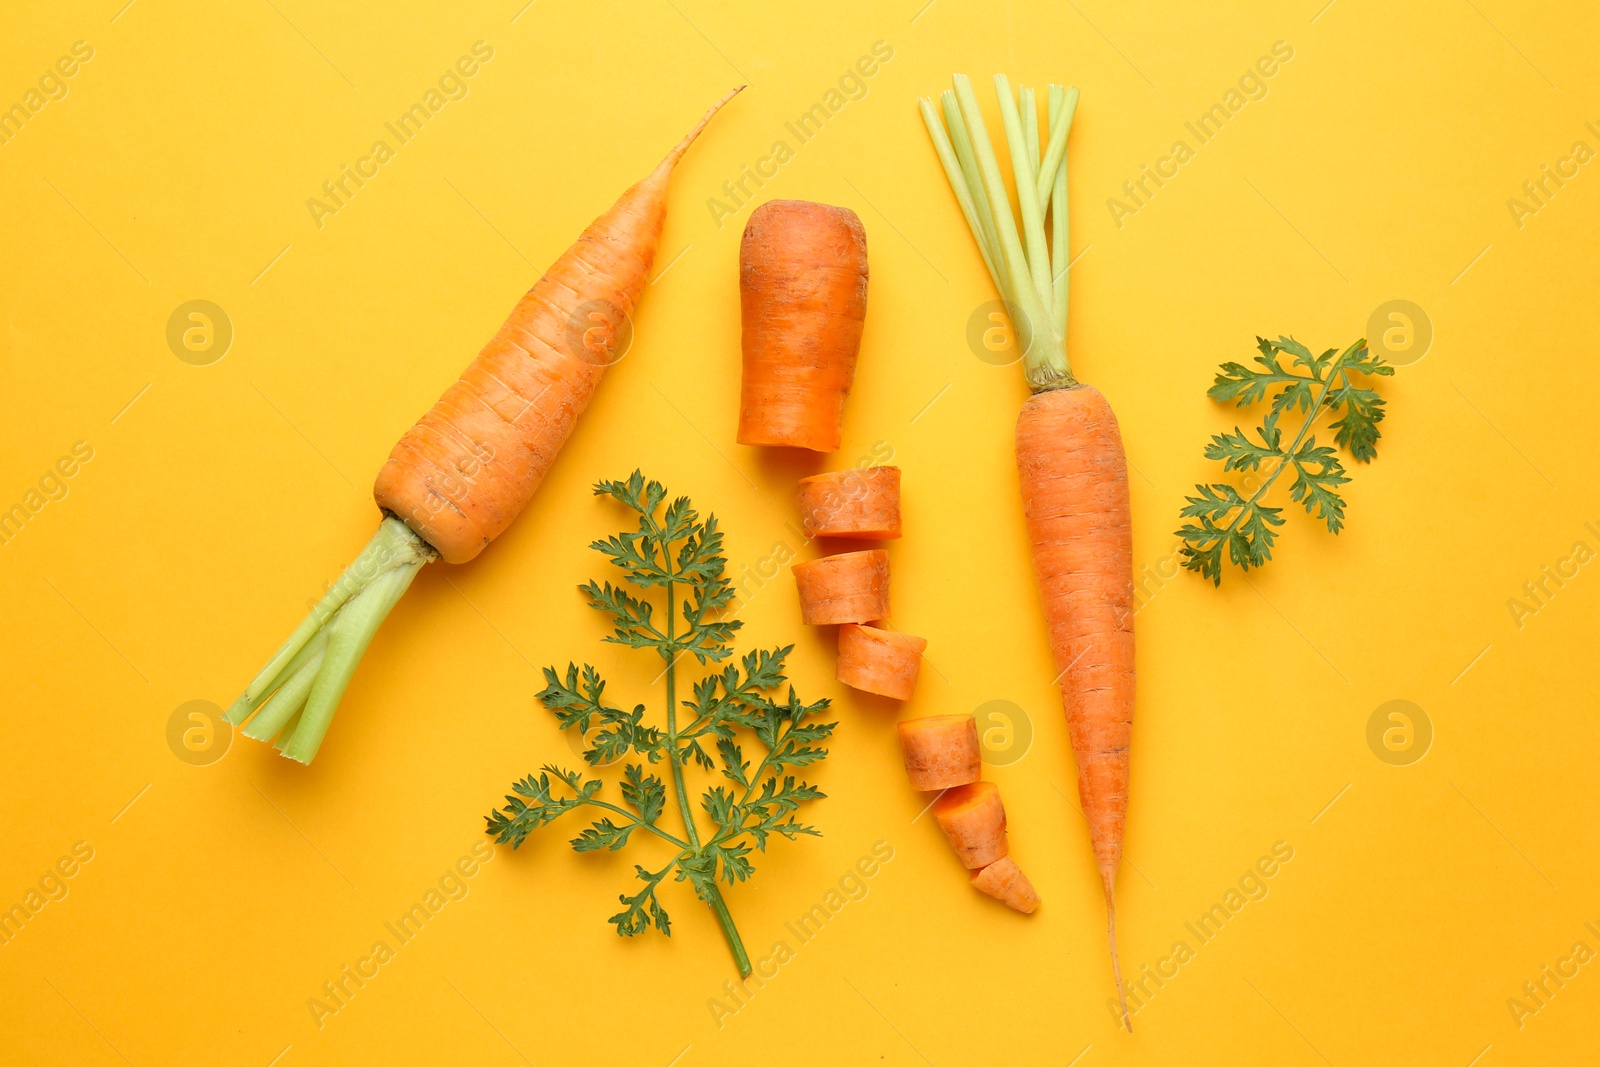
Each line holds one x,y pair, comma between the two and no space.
1070,460
459,477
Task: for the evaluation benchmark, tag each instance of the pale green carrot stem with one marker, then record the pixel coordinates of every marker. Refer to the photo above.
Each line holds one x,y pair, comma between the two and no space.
958,185
1027,202
1057,148
1060,236
294,696
393,544
1045,361
286,703
961,141
1030,129
348,636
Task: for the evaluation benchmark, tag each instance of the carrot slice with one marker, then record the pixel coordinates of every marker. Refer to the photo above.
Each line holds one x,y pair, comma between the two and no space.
941,751
1004,881
862,502
879,661
848,587
803,298
974,820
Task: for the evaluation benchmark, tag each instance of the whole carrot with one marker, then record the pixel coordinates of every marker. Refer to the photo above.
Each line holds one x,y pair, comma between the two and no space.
1070,461
459,477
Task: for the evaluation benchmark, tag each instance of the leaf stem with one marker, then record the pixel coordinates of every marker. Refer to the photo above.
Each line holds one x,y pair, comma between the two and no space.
625,813
741,958
712,895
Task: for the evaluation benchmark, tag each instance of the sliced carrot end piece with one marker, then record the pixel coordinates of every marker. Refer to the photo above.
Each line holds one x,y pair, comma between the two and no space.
1004,881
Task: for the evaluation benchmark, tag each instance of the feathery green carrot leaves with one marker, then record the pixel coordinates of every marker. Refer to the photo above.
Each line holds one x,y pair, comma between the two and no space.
735,716
1225,520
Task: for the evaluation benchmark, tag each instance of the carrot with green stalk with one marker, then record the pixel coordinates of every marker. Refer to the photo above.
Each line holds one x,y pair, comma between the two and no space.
1070,460
459,477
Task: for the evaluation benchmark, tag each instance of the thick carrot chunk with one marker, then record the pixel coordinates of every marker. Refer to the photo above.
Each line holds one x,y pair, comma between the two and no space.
848,587
861,502
879,661
941,751
974,820
802,300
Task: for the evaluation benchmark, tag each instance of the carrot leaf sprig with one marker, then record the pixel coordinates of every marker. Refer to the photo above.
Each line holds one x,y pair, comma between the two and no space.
677,556
1226,518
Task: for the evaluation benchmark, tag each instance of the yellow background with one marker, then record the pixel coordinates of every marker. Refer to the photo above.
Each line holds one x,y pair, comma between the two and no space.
1377,167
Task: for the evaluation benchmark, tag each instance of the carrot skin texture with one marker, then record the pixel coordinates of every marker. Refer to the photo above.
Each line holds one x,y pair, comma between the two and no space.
847,587
974,821
471,463
1074,477
1004,881
862,503
803,299
879,661
941,751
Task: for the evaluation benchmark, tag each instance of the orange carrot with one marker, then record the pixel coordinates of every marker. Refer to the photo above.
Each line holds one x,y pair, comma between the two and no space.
1070,459
1075,494
941,751
974,820
863,502
848,587
879,661
803,297
1004,881
459,477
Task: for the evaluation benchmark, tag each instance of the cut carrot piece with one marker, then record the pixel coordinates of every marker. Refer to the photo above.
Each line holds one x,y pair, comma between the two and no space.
974,820
803,298
848,587
941,751
862,502
879,661
1004,881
